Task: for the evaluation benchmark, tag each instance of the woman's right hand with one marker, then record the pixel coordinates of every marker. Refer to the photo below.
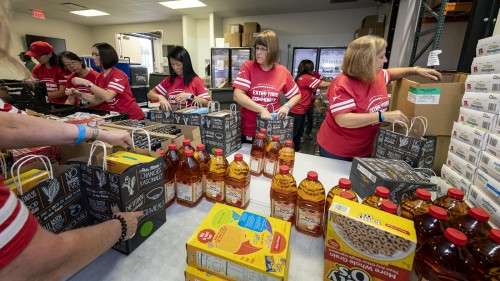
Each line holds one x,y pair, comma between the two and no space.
165,106
395,116
264,113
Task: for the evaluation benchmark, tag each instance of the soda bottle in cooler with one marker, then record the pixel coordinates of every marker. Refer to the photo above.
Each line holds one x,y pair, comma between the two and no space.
257,154
416,204
310,205
203,158
475,224
287,155
283,195
216,177
389,207
431,224
453,202
271,157
238,183
189,188
186,144
486,253
375,200
168,179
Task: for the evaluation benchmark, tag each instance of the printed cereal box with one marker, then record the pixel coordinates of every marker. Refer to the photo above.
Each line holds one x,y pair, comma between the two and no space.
234,244
194,274
367,244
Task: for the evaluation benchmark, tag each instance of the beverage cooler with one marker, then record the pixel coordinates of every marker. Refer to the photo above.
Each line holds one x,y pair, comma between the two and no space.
225,65
330,61
303,53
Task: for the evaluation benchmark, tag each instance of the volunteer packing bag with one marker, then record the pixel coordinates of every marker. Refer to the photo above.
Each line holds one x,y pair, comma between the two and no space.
57,200
408,144
192,116
223,130
280,127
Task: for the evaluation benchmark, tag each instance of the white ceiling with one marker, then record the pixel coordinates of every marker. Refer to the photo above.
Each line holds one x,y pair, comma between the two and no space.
137,11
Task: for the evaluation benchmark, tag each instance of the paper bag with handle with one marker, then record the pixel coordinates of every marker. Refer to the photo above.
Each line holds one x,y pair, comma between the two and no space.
223,129
281,127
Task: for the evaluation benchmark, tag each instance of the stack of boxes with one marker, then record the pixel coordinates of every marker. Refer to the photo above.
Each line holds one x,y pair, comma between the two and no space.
238,35
371,25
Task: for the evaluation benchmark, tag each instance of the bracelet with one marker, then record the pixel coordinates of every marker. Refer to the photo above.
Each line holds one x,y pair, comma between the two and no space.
415,70
380,117
124,227
289,106
90,85
80,95
95,134
81,134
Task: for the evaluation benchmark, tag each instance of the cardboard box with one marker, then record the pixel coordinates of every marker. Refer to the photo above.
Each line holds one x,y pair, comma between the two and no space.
234,28
470,135
28,180
485,65
441,188
487,184
231,243
442,145
485,102
488,46
364,243
480,199
455,180
483,83
483,120
233,39
119,161
418,96
363,31
493,147
374,21
490,165
248,39
462,167
465,151
194,274
251,27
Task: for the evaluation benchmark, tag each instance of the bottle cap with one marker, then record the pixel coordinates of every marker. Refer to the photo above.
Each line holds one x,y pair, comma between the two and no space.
479,214
160,152
276,138
437,212
263,130
200,147
382,191
172,146
312,176
238,157
423,194
345,183
260,136
495,235
456,237
218,152
455,193
347,195
284,169
188,153
389,207
288,143
186,142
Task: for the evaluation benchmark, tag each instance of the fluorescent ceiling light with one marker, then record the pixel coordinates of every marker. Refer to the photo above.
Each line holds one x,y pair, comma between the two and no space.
182,4
90,13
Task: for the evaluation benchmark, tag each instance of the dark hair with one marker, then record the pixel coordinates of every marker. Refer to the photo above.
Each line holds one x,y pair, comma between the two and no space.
53,61
71,56
24,56
305,67
107,55
181,54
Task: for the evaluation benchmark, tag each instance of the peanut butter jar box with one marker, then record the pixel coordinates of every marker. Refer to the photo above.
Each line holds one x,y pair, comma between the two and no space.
234,244
367,244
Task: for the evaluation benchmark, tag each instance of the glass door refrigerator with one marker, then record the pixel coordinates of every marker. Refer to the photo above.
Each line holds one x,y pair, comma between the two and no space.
303,53
330,61
238,57
225,65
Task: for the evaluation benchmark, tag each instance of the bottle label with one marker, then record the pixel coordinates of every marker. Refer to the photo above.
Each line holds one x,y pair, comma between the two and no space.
214,189
270,167
237,196
169,191
256,164
309,219
189,192
283,210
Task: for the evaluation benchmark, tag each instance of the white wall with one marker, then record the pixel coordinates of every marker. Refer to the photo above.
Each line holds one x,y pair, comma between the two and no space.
203,35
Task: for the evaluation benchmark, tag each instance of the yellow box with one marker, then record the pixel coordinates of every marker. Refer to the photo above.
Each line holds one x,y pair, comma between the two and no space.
367,243
231,243
121,160
194,274
29,179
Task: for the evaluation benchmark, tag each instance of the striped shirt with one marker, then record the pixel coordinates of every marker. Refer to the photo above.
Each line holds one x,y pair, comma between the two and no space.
5,107
307,85
171,89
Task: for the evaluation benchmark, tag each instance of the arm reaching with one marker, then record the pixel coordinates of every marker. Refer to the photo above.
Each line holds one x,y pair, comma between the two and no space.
242,99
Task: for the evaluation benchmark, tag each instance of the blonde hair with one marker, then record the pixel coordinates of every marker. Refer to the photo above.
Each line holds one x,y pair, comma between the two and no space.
361,55
269,39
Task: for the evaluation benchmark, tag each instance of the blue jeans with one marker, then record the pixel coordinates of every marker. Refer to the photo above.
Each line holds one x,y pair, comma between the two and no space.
299,123
324,153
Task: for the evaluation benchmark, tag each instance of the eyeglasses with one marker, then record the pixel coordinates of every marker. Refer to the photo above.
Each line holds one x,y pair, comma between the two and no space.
261,49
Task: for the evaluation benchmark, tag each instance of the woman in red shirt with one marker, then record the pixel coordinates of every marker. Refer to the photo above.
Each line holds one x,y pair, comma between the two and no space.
76,94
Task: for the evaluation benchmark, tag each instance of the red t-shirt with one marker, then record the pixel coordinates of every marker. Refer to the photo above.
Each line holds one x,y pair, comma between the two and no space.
6,107
264,88
53,77
124,101
17,226
307,85
171,90
91,76
351,95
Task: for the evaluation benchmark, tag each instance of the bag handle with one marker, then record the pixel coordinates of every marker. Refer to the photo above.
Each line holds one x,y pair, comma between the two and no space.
404,125
147,134
93,148
197,104
425,169
214,106
3,165
233,109
272,106
19,163
183,102
422,119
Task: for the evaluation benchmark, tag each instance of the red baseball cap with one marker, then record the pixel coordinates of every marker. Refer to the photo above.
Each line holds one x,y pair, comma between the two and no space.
39,48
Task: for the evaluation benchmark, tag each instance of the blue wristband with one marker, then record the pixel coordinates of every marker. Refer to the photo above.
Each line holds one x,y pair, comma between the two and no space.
287,105
382,117
81,134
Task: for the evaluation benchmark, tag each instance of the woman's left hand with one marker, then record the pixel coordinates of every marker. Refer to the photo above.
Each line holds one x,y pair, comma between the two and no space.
282,112
429,73
180,97
79,81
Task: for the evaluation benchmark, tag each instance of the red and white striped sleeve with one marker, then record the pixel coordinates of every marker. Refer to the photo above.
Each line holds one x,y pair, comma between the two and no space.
5,107
340,100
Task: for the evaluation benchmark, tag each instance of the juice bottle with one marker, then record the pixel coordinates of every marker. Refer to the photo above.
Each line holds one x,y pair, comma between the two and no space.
173,154
168,179
283,195
310,205
343,186
238,183
287,155
202,157
475,224
375,200
431,224
486,253
266,136
453,202
271,157
414,205
216,177
348,195
389,207
257,154
444,258
189,189
186,144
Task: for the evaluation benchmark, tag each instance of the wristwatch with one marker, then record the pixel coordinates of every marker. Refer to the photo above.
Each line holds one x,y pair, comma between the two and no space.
90,85
190,97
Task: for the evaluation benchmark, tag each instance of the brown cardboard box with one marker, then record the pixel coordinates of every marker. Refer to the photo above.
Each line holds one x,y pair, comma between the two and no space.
251,27
442,145
439,101
378,31
234,28
233,39
373,21
248,39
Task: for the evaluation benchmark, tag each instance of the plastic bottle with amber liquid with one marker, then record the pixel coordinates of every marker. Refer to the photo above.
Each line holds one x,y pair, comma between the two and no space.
168,179
189,188
416,204
266,136
444,258
216,177
287,155
238,183
310,205
486,254
375,200
203,158
389,207
173,155
186,145
271,158
453,202
474,224
344,185
431,224
257,154
283,195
